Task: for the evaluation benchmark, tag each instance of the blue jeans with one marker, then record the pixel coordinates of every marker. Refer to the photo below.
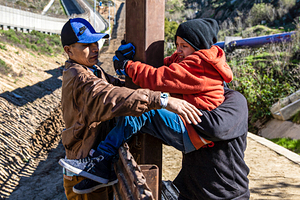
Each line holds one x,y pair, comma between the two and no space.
161,124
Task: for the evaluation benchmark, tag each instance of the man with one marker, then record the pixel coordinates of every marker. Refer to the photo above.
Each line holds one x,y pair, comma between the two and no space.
216,170
91,99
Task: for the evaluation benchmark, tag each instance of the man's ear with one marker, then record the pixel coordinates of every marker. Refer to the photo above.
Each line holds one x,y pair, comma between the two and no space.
68,50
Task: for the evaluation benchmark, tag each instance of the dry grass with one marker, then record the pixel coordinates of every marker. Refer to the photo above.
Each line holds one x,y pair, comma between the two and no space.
25,67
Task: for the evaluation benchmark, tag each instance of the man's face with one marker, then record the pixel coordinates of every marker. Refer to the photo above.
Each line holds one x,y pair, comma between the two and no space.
184,49
85,54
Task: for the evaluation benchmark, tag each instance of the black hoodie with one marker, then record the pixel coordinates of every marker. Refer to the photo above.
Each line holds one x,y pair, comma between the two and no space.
218,170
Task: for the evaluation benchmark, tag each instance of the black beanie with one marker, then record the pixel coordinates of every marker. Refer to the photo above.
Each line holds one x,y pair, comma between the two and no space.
199,33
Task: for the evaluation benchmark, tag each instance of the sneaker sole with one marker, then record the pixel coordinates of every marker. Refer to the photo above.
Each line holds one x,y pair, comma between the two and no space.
82,173
94,188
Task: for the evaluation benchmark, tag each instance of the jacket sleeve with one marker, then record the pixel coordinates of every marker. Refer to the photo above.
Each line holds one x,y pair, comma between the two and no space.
228,121
171,59
112,80
173,79
101,101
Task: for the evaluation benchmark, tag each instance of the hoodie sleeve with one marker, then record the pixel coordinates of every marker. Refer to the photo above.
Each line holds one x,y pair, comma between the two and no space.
174,58
228,121
201,72
173,79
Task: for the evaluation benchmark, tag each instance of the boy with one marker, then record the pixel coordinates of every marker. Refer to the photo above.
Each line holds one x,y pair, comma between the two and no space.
195,73
91,99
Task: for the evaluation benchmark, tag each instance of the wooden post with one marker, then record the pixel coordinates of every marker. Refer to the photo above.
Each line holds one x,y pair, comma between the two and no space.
145,30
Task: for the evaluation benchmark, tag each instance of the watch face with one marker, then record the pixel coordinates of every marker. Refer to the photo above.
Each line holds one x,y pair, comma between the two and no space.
164,95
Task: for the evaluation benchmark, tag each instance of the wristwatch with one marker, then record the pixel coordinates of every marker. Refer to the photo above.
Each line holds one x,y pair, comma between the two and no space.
164,99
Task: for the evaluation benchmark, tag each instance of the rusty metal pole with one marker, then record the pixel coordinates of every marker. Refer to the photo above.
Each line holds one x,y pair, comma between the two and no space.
145,29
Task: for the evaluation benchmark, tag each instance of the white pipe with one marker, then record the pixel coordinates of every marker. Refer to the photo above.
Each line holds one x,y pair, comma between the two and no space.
47,7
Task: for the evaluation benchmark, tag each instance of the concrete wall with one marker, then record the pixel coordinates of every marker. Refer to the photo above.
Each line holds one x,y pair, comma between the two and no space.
27,21
11,18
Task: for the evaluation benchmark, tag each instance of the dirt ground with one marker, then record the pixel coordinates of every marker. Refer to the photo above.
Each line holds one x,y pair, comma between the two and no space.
30,126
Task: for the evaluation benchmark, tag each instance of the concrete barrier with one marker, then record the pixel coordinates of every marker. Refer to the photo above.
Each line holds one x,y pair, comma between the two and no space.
11,17
287,107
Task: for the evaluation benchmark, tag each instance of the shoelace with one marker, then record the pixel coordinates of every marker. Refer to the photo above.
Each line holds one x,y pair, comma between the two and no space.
83,160
93,162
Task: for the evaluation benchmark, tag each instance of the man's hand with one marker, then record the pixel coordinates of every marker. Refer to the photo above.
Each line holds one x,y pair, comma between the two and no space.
127,50
188,111
120,62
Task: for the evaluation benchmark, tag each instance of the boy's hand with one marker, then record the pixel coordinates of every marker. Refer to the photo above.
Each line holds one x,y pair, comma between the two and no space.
188,111
120,62
127,50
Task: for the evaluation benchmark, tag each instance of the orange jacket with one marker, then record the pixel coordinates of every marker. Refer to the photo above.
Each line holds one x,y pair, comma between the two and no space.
197,79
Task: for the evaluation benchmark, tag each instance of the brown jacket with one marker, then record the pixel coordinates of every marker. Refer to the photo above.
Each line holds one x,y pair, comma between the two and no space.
88,102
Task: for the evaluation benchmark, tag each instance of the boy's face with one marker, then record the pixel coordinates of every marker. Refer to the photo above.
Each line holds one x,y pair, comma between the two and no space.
85,54
183,48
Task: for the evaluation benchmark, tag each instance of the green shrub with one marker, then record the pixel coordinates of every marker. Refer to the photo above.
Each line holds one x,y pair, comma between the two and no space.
32,7
47,49
55,39
5,68
37,33
35,40
42,41
21,3
263,75
15,39
34,47
32,54
175,5
170,30
11,35
3,46
2,63
260,12
296,118
288,143
175,10
28,45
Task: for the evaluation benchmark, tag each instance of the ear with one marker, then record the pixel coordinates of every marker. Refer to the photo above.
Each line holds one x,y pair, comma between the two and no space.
68,50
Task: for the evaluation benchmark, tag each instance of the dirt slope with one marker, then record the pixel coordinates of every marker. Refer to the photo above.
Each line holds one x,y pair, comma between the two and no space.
30,117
